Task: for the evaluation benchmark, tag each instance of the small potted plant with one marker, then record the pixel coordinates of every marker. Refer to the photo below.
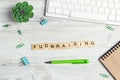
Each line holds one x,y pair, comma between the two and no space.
22,12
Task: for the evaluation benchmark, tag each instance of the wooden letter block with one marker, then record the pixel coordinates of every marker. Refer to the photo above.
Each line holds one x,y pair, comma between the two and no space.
88,43
46,46
52,46
33,46
38,46
85,44
92,43
58,46
80,44
75,44
64,45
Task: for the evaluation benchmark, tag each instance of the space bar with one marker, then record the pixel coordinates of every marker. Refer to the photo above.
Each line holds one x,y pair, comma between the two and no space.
90,16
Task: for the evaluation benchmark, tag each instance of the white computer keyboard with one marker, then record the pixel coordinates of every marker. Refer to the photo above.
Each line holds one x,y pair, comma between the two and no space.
101,11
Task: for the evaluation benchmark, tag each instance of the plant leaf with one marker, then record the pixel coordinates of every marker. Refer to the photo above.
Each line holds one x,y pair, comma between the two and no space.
13,9
31,14
30,8
18,4
25,3
25,9
27,19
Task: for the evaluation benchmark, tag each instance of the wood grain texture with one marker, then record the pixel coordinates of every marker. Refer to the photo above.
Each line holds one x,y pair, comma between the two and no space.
57,30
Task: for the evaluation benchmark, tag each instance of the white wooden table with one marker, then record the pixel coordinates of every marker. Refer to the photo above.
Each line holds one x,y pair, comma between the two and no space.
56,30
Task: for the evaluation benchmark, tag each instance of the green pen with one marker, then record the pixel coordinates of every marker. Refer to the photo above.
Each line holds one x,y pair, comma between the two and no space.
75,61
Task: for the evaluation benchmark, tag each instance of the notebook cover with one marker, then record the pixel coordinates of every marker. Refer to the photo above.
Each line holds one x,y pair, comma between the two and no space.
111,61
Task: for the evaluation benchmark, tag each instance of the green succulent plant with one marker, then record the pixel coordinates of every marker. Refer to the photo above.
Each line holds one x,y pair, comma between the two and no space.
22,12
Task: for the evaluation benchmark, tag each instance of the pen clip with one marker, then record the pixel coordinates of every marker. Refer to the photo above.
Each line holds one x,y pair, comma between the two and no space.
85,62
79,63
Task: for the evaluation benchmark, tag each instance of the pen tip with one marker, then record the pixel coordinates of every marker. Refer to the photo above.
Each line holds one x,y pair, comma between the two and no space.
86,61
49,62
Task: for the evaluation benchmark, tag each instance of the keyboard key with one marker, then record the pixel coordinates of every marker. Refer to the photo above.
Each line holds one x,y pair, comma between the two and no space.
118,18
93,3
75,1
105,4
57,15
51,10
55,4
81,2
59,11
66,12
62,1
95,10
107,11
83,8
99,3
86,15
65,6
113,12
77,7
87,2
69,1
116,1
89,9
117,6
118,12
101,10
111,5
71,6
112,18
110,0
